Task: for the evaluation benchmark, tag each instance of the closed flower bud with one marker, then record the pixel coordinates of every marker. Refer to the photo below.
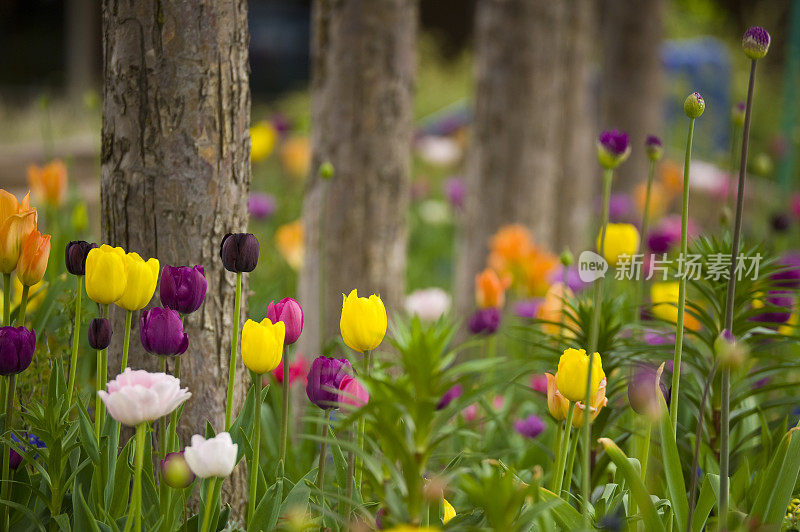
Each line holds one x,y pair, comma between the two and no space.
613,148
325,379
449,396
730,352
106,274
490,289
213,457
17,345
175,471
621,242
363,322
352,394
100,332
737,114
485,321
694,105
262,345
141,282
161,332
239,252
755,42
567,258
289,311
530,427
642,392
75,256
326,170
17,221
183,288
138,396
653,148
33,258
573,367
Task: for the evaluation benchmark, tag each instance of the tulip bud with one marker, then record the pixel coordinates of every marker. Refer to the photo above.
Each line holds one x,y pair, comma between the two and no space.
289,311
363,322
737,114
17,345
183,288
641,392
485,321
326,170
567,258
262,345
239,252
780,222
694,105
449,396
490,289
106,274
755,42
213,457
613,148
161,332
175,471
324,380
33,258
530,427
17,221
100,333
75,256
653,148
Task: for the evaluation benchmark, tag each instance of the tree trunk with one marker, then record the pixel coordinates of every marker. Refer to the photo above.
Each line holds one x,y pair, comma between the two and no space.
362,61
632,78
579,171
514,156
176,171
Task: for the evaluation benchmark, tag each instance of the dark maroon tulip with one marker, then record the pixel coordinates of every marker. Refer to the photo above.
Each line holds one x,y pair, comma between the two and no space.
239,252
449,396
530,427
161,332
183,288
100,333
641,391
75,256
289,311
780,222
17,345
485,321
324,378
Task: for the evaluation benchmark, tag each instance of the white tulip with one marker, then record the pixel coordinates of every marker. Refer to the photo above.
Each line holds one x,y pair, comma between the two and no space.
136,396
215,457
429,304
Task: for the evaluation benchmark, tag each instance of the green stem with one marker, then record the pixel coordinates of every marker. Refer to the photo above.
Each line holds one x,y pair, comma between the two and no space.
162,437
562,455
573,450
646,449
209,504
100,382
322,451
76,334
23,305
6,299
234,349
645,228
724,440
598,284
135,509
679,325
285,405
251,504
9,424
173,417
362,420
126,342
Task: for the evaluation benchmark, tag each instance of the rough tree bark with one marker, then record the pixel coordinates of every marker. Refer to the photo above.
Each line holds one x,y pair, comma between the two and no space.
514,155
632,78
176,170
579,172
362,80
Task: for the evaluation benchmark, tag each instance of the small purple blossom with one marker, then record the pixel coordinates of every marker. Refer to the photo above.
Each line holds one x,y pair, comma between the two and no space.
449,396
260,206
455,190
485,321
15,458
530,427
780,303
615,142
161,332
788,276
755,42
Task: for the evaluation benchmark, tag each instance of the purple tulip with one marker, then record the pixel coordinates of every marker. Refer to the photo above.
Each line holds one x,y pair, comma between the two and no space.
290,312
641,391
260,206
789,274
777,298
239,252
455,190
17,345
485,321
75,256
161,332
183,288
15,458
100,333
530,427
528,308
449,396
324,379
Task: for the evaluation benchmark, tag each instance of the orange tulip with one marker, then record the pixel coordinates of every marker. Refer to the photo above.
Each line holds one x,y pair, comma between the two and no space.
33,258
556,303
599,400
556,403
49,182
17,221
490,290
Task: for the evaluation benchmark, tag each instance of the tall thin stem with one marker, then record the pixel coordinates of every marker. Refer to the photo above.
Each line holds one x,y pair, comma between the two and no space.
23,305
76,334
173,417
100,381
7,299
209,505
645,228
725,407
135,509
285,405
234,349
126,342
679,325
361,420
558,479
322,451
251,504
9,424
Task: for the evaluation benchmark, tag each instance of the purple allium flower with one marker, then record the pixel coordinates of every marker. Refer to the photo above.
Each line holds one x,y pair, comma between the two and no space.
641,391
75,256
100,333
620,207
161,332
485,321
289,311
183,288
781,302
615,142
260,206
239,252
755,42
449,396
528,308
15,458
17,345
530,427
780,222
653,147
324,378
694,105
737,114
455,190
789,275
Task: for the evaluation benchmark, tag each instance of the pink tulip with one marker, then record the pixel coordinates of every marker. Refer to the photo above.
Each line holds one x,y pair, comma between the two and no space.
352,393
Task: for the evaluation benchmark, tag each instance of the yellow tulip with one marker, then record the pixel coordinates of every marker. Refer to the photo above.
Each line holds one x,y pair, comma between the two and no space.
262,345
573,368
262,140
621,239
141,283
106,274
363,323
449,511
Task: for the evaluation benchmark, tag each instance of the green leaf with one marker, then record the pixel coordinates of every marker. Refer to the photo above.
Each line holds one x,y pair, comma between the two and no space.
768,478
705,502
676,486
785,482
567,517
83,518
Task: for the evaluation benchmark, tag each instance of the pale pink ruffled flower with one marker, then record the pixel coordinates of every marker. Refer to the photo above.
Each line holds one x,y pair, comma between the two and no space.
213,457
137,396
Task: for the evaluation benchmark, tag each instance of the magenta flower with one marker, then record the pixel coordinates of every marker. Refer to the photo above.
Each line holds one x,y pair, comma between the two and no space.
528,308
260,206
17,345
455,190
449,396
788,276
183,288
298,369
324,379
289,311
613,147
352,394
539,383
161,332
755,42
530,427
